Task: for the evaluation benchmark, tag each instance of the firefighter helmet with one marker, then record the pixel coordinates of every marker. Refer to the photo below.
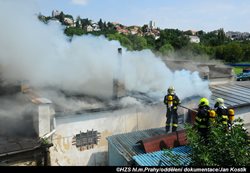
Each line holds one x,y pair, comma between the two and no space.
220,101
204,102
171,90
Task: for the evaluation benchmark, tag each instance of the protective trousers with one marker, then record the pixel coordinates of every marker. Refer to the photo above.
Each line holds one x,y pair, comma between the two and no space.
172,119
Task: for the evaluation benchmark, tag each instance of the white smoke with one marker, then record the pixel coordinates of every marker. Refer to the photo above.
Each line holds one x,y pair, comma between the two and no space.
41,54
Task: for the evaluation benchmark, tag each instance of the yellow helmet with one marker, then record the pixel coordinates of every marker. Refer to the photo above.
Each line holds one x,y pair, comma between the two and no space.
204,102
171,90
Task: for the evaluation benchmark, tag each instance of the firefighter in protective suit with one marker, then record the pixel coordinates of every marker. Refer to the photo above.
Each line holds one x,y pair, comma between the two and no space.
172,101
204,118
225,116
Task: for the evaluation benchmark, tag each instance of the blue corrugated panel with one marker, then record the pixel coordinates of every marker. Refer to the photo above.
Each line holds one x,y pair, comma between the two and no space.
178,156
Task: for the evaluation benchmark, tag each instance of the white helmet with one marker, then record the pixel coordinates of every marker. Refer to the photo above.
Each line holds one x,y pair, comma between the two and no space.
220,101
171,90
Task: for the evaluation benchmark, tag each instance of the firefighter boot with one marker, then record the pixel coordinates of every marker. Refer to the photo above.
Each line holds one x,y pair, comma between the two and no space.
174,128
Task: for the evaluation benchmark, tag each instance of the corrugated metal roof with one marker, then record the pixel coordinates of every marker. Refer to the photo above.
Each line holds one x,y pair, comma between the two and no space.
126,143
178,156
159,142
235,94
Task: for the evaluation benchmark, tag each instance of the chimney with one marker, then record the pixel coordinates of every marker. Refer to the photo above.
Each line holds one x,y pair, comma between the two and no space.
44,122
118,85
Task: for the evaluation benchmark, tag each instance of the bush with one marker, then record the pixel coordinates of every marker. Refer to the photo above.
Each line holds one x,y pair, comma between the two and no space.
224,148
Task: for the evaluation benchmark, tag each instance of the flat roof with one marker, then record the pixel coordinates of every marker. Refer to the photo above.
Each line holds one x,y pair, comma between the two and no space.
235,94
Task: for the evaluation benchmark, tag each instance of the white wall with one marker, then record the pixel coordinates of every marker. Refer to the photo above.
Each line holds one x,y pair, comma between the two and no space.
107,123
43,113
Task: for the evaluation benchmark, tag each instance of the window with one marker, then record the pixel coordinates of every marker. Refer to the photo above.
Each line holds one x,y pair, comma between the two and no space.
86,140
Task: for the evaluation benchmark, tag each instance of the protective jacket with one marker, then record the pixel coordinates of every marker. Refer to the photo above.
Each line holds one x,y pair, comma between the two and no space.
171,101
202,120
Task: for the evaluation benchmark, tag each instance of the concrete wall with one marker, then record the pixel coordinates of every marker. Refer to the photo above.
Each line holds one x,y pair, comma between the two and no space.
106,123
244,113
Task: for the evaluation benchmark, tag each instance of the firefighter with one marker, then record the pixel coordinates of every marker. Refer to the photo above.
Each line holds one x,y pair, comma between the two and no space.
225,116
172,101
203,118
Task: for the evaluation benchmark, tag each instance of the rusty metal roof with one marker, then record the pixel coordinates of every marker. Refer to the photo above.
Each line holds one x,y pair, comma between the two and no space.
178,156
236,94
160,142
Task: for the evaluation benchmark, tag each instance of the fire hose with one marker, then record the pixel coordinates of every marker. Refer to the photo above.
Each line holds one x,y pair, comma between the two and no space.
188,108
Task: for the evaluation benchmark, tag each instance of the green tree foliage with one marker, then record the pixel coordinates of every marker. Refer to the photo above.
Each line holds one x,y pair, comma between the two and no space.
78,22
61,17
224,148
231,52
122,39
110,26
150,42
85,23
70,31
101,24
172,36
246,51
189,32
69,16
166,49
214,38
138,42
199,49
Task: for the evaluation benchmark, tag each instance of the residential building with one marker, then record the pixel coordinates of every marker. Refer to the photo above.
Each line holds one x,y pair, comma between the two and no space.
194,39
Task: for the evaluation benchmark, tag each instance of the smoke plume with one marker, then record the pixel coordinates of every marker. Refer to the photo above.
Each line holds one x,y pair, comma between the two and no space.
44,56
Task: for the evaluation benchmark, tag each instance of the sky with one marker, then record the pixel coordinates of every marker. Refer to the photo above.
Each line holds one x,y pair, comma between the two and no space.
206,15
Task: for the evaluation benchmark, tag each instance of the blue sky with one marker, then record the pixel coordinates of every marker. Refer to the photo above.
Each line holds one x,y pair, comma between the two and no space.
207,15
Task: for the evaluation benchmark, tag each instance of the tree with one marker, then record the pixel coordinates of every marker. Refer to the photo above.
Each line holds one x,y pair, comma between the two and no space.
122,39
224,148
199,49
101,24
221,36
69,16
61,17
138,42
189,32
150,41
110,26
166,49
144,28
70,31
233,53
78,22
85,22
172,36
246,52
